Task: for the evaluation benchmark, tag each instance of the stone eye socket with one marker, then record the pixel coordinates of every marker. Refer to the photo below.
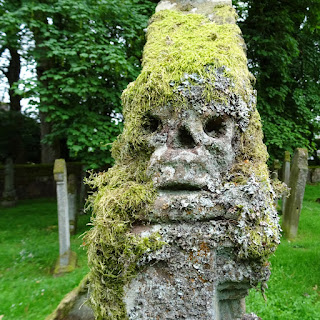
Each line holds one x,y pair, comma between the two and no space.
215,127
152,123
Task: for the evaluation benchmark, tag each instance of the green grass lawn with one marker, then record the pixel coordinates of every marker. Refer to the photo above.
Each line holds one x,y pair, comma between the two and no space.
294,286
29,249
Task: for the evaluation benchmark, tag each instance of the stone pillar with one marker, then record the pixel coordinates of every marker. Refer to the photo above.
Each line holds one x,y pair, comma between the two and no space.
9,197
297,184
72,202
285,177
276,168
83,191
184,222
66,258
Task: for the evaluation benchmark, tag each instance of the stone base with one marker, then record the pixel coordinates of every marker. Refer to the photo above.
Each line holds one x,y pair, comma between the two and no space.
72,306
61,268
8,203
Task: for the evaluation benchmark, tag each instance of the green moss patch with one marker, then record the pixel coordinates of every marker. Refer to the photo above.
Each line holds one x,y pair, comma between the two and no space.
113,251
186,43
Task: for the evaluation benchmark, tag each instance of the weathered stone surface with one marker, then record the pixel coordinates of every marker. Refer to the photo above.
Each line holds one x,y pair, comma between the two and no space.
285,177
315,175
9,196
60,176
73,306
67,259
184,222
297,184
72,202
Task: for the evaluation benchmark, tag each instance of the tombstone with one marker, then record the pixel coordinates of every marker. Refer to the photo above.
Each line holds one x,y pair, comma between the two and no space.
72,202
297,184
67,258
285,177
83,191
315,175
276,168
9,196
184,222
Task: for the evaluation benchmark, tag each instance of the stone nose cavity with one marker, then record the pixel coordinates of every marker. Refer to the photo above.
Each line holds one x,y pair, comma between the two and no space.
184,138
191,152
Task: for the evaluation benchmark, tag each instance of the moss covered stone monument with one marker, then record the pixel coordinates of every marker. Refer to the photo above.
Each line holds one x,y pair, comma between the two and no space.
184,222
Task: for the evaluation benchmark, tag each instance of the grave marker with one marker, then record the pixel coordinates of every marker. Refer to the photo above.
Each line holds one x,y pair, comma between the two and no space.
285,176
72,202
9,197
297,184
184,221
67,259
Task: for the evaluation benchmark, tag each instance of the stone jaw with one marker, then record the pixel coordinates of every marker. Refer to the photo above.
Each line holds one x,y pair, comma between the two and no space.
194,274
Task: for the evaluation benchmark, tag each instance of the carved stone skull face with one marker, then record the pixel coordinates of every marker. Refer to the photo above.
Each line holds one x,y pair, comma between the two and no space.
193,149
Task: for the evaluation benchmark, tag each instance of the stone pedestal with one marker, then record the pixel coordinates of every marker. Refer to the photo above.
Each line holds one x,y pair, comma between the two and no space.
297,184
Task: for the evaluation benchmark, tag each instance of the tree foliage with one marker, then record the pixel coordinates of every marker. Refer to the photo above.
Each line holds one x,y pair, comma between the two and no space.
283,50
86,52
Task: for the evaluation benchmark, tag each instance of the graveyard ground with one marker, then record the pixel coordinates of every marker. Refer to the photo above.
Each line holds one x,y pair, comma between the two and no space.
28,252
29,249
294,286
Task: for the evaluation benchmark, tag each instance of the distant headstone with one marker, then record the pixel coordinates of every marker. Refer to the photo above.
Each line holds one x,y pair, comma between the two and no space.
66,262
9,197
315,175
297,184
276,167
72,202
285,176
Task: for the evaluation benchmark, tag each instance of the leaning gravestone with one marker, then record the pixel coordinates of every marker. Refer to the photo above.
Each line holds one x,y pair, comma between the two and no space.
9,196
184,222
67,258
297,185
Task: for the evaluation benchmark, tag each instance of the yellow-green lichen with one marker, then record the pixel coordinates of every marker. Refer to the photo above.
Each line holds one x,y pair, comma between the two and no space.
253,154
113,251
224,14
186,43
261,242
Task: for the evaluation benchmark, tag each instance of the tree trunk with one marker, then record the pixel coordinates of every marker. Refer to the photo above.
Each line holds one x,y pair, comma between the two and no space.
49,152
13,75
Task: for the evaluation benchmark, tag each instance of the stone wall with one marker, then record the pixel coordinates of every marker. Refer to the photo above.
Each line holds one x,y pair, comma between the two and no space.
36,180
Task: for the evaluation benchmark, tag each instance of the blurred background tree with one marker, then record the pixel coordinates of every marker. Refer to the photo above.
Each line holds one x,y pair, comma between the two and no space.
86,52
282,38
